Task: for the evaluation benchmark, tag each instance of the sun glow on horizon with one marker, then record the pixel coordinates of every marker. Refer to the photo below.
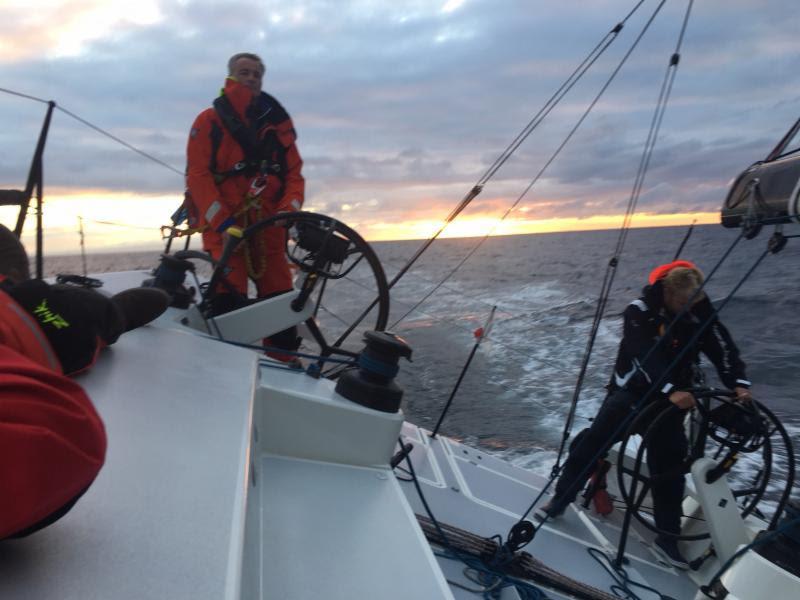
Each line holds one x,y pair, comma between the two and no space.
481,226
121,221
111,220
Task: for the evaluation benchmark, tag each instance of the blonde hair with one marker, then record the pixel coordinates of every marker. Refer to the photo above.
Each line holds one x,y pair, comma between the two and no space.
684,281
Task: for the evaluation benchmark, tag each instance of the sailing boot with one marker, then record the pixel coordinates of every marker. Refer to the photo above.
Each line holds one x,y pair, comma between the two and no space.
139,306
667,548
552,509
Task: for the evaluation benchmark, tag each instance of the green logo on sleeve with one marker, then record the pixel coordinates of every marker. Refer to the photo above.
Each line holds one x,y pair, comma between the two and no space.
48,317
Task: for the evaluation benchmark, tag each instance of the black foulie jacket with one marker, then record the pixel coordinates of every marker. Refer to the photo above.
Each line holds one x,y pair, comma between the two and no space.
649,348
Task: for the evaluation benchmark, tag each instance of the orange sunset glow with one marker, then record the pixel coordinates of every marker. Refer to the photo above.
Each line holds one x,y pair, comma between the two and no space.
116,222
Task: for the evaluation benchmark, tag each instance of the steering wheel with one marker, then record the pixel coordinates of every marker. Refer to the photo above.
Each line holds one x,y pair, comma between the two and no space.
337,270
718,425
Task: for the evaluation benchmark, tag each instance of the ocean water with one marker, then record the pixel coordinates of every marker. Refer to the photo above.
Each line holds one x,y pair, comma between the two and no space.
515,396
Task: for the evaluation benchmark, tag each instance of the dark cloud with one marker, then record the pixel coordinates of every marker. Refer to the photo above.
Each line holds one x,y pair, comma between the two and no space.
400,107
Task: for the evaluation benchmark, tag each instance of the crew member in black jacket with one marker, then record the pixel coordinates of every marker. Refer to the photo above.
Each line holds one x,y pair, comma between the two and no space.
646,355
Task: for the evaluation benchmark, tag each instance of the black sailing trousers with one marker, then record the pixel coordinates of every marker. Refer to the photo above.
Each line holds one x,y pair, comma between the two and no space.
666,450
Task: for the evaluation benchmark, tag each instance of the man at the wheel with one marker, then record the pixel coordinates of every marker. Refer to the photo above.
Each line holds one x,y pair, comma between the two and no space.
648,349
243,166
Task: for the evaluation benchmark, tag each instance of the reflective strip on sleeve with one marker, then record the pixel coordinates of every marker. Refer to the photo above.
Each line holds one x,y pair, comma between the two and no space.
640,305
47,352
666,389
212,211
743,382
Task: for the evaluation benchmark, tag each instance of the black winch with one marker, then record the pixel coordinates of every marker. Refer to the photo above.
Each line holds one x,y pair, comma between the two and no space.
372,384
169,276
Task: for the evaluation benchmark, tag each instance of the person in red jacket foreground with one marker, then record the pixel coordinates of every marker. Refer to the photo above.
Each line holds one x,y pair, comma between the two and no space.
52,441
243,166
52,444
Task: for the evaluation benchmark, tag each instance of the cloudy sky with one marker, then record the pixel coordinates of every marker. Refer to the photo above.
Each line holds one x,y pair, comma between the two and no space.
400,106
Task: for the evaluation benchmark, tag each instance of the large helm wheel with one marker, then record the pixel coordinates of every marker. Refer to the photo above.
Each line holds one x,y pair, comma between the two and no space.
633,493
323,249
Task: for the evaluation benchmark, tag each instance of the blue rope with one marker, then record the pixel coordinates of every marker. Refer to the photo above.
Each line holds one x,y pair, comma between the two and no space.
376,366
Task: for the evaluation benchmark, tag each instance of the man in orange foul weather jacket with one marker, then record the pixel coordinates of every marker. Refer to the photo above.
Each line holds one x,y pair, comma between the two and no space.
243,166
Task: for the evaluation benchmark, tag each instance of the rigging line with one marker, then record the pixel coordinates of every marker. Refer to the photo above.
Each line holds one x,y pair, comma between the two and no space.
655,126
608,281
558,95
478,187
96,128
21,95
129,226
120,141
550,160
685,239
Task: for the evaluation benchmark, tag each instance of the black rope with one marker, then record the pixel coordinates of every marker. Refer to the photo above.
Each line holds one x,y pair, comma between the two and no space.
565,87
685,239
622,581
611,269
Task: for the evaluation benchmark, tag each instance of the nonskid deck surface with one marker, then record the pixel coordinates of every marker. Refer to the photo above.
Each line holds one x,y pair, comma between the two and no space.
475,491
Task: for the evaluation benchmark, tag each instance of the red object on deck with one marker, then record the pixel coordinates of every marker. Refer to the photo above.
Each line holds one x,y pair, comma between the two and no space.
52,443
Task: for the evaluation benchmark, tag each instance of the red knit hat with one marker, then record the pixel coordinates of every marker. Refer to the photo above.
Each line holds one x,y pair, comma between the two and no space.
661,272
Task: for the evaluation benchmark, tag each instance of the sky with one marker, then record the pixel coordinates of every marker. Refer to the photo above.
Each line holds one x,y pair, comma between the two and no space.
400,107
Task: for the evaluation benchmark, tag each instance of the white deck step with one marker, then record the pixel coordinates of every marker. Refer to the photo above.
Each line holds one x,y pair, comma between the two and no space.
336,531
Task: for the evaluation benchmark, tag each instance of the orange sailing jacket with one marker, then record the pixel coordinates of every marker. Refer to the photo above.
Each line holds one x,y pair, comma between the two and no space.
218,175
